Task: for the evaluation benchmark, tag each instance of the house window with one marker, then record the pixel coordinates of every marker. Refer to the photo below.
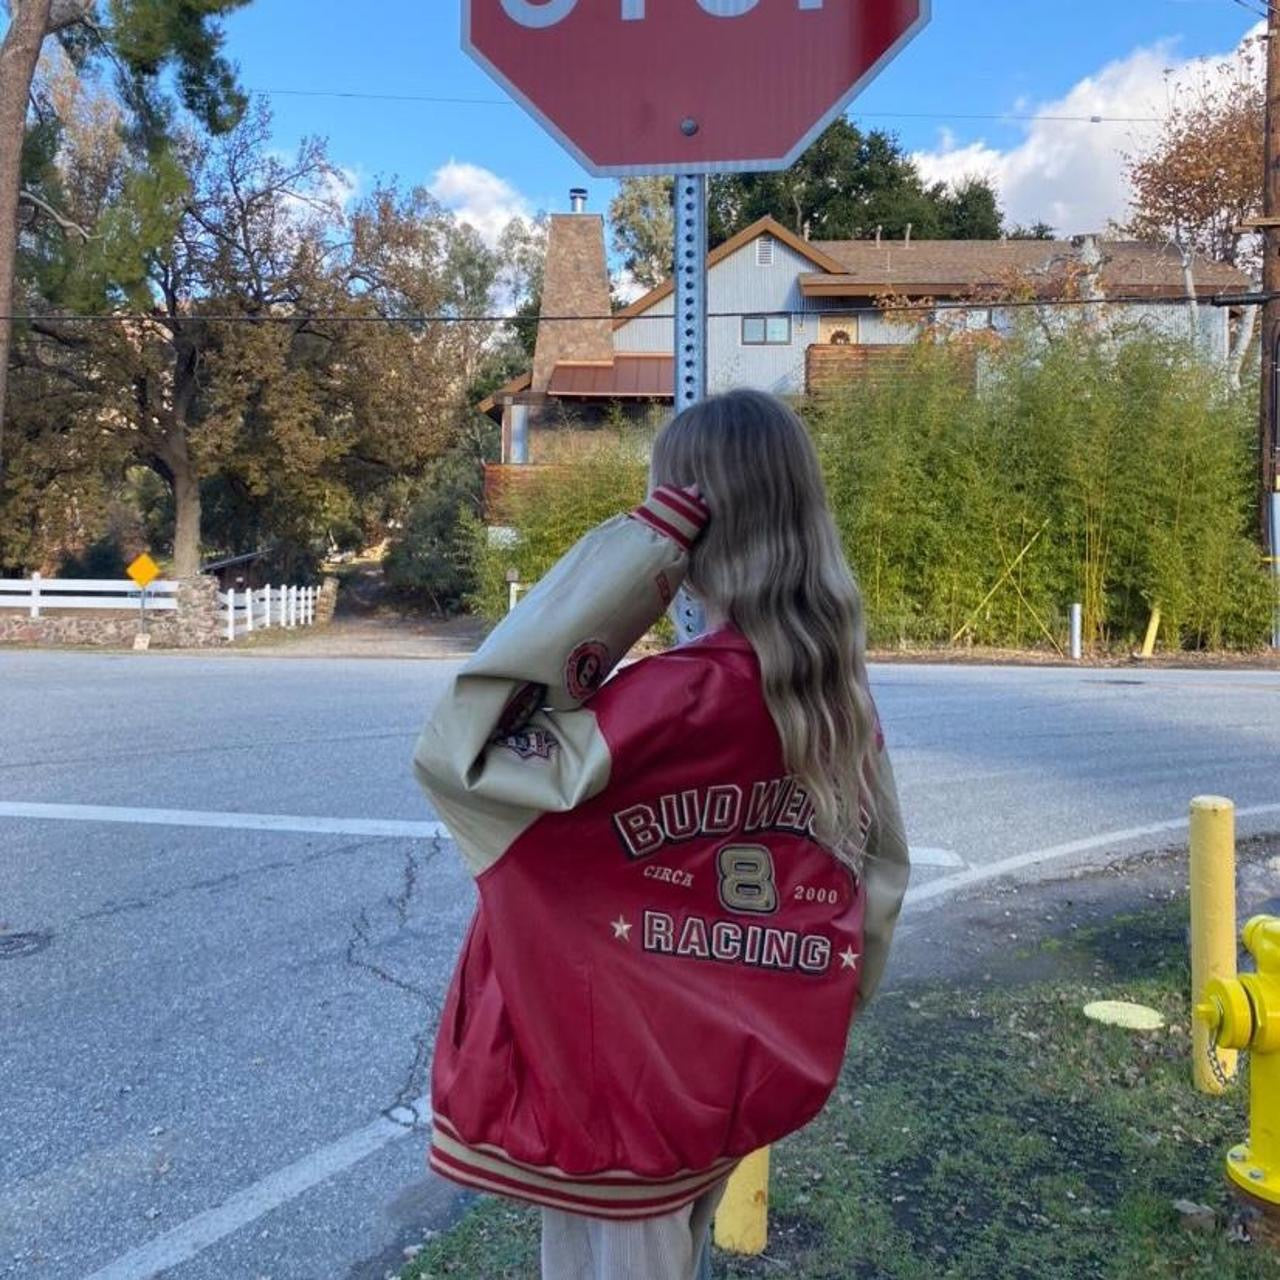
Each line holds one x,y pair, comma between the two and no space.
766,331
764,251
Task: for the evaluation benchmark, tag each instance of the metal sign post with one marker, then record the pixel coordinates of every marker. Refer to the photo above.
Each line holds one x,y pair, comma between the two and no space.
691,289
690,340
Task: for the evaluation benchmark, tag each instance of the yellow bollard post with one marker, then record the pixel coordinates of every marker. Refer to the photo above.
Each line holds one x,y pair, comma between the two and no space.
1153,629
742,1221
1213,925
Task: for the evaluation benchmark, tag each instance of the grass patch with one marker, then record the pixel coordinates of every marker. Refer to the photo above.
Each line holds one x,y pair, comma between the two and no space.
986,1129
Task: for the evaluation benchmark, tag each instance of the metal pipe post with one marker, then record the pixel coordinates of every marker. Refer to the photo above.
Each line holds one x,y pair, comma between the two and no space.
1077,631
1213,925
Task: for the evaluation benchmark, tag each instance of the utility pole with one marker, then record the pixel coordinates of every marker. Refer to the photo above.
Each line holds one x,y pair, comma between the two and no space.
1267,436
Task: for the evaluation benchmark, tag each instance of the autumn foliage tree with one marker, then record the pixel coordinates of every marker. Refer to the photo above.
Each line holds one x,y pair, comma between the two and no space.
1201,181
266,362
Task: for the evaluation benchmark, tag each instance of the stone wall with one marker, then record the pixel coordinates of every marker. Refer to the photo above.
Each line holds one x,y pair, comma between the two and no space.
193,625
327,601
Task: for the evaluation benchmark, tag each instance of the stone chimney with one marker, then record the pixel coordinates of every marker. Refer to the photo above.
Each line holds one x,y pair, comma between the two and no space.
575,284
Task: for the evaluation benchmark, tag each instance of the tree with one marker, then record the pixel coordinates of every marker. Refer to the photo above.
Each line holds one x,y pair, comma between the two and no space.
277,371
144,40
1201,182
643,221
1036,231
847,186
1202,178
522,257
969,211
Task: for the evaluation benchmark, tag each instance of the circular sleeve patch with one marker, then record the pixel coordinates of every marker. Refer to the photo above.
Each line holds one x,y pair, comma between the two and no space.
586,669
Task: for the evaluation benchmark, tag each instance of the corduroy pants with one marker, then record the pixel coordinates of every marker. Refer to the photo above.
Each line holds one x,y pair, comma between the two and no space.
676,1246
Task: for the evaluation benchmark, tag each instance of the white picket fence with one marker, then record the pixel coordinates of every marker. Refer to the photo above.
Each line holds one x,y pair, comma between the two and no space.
36,594
247,611
240,611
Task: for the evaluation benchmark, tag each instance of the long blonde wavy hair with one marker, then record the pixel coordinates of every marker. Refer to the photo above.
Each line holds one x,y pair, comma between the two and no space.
771,564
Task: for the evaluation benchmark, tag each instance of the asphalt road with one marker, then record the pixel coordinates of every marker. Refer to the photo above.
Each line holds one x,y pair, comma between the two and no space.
215,1026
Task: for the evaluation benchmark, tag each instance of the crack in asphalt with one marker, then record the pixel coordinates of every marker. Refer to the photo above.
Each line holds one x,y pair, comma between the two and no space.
125,905
359,947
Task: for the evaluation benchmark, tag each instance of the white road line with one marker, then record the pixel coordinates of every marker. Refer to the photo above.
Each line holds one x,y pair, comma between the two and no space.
1007,866
372,827
246,1206
253,1202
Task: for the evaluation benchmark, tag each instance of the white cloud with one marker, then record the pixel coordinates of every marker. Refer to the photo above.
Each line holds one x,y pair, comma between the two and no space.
626,288
1068,174
335,190
342,185
478,196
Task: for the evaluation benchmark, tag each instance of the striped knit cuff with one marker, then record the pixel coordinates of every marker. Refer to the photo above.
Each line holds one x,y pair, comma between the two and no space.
674,513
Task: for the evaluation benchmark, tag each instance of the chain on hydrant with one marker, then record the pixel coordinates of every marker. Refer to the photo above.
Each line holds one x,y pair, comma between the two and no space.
1244,1013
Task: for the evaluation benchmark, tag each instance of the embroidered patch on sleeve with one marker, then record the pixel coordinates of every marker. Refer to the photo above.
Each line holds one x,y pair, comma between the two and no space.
586,669
530,744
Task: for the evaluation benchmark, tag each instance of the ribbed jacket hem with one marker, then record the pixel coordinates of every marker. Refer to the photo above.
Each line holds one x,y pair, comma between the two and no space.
616,1194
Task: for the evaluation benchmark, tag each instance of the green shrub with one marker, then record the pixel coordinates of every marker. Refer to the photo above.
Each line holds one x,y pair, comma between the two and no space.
1119,468
588,477
981,490
429,560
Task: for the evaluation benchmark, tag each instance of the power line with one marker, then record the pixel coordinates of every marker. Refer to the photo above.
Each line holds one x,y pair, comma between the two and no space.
1253,9
431,99
970,304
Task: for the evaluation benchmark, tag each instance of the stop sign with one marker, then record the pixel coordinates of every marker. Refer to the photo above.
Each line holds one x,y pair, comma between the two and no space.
686,86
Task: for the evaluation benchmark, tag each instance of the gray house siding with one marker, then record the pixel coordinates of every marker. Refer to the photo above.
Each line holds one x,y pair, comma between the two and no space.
741,285
736,286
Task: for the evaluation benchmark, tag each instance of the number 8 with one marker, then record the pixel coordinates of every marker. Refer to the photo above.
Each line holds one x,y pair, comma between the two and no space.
746,879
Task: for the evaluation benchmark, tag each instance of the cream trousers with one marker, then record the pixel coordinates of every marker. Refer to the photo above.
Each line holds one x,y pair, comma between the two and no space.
671,1247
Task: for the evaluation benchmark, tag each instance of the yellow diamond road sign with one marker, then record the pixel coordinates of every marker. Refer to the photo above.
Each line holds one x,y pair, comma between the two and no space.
144,571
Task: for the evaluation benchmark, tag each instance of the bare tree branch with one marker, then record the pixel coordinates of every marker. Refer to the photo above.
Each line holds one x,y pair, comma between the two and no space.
30,197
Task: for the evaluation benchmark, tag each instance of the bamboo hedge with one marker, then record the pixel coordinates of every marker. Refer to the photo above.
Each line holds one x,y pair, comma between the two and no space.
979,492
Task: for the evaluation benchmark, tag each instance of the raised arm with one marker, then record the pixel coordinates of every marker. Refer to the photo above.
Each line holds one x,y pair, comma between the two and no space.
511,739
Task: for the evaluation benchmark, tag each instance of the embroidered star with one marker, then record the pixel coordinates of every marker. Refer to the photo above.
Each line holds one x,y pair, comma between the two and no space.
622,929
848,958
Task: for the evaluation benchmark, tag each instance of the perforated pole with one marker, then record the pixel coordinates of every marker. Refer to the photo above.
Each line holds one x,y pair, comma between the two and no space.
690,340
691,289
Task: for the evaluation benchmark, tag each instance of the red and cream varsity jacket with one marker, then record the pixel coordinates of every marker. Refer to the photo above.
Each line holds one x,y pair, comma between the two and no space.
663,965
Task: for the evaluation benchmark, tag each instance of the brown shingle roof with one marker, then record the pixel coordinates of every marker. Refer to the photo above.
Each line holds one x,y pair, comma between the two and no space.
761,227
629,377
1129,268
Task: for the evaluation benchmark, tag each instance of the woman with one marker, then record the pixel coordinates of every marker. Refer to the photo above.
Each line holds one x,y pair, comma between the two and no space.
688,876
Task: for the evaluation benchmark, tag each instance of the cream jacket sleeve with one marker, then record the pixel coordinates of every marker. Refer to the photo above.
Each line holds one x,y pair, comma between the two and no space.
510,739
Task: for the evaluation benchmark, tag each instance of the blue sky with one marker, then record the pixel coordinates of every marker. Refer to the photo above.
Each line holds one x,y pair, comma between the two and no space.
976,56
486,160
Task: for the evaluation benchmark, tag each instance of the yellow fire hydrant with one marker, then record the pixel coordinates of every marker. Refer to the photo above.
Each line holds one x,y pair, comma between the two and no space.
1244,1013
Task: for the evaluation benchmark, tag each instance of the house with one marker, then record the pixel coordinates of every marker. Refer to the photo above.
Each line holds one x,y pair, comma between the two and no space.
789,315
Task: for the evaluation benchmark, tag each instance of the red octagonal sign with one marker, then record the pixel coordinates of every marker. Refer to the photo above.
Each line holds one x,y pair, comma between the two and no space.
686,86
